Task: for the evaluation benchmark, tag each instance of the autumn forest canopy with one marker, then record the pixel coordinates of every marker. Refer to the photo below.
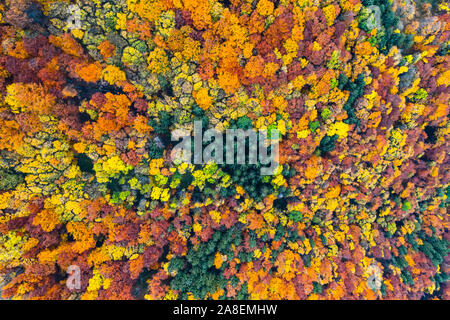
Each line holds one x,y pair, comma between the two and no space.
357,208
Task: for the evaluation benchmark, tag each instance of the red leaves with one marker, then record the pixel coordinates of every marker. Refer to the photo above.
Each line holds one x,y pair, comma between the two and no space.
151,256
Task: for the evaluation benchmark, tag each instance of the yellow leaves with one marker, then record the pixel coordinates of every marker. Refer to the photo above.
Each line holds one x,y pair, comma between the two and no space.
279,181
270,69
116,252
47,219
299,82
219,260
185,167
332,204
111,167
147,9
257,253
203,98
80,147
216,216
330,14
31,97
73,206
240,190
316,46
291,47
197,227
191,49
77,33
11,247
121,21
281,126
171,295
265,7
340,128
160,194
303,134
157,60
444,79
4,199
306,246
269,216
113,75
96,283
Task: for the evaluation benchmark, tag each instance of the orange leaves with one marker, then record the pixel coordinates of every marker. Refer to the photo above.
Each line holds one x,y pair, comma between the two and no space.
98,256
91,72
10,135
205,69
114,113
136,266
218,260
333,192
16,49
117,105
84,238
306,233
47,219
203,99
145,234
256,221
323,86
141,126
68,44
326,271
312,169
287,264
175,40
254,67
279,31
280,289
200,12
364,49
107,49
228,81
